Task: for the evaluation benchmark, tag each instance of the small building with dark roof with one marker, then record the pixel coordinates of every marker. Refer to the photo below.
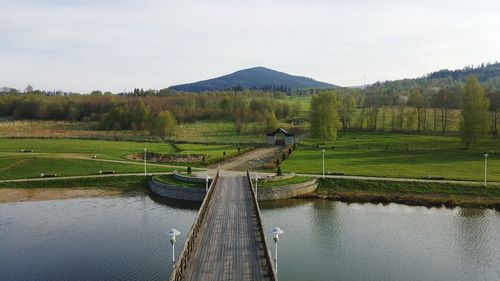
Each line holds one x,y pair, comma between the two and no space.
280,137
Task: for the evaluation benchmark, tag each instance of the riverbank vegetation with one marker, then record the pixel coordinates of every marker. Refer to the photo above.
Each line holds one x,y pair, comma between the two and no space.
410,193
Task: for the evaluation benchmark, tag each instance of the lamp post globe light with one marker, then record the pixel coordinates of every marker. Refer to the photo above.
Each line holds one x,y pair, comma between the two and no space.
207,179
172,233
485,167
276,231
256,185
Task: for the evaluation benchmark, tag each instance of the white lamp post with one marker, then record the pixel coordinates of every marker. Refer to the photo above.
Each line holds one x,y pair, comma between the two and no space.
145,155
207,179
276,231
172,233
256,185
485,167
323,150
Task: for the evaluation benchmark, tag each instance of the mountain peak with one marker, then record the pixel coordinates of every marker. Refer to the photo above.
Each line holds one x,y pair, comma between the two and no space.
258,77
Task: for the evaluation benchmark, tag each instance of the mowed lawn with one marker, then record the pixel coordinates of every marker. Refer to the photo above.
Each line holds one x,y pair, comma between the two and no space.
116,150
32,167
212,151
70,157
397,155
219,132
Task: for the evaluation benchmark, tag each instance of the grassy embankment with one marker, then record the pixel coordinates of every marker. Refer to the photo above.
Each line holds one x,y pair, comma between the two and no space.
170,179
396,155
290,181
410,193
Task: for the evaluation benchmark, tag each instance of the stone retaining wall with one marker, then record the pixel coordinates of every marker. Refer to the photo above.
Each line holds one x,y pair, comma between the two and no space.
287,191
177,192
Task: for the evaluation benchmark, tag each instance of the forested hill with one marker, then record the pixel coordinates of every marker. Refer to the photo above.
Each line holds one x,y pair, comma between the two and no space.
260,78
482,72
487,74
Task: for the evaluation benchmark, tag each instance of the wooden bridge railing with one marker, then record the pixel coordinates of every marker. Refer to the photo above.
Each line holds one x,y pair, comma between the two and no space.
181,264
268,257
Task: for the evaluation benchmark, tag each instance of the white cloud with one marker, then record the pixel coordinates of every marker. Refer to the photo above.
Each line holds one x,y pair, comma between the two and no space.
112,45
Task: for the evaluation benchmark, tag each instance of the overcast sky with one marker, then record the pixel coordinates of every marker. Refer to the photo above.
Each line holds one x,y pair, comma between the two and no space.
82,45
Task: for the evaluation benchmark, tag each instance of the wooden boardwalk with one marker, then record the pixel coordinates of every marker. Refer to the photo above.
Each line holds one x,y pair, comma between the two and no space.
230,244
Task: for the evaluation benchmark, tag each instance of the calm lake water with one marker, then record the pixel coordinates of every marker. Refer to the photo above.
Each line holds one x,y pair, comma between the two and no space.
123,238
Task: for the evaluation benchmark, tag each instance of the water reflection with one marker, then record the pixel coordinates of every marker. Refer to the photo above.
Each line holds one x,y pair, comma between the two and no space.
477,242
178,204
118,238
123,238
327,240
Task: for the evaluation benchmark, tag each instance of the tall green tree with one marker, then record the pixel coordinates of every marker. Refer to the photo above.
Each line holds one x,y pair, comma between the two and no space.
271,121
166,125
494,98
324,116
474,112
346,111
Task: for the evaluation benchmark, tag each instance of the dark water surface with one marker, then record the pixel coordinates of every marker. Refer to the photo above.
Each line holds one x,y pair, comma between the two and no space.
328,240
123,238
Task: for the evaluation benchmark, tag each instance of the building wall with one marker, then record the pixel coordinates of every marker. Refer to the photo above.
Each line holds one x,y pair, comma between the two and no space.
289,140
271,140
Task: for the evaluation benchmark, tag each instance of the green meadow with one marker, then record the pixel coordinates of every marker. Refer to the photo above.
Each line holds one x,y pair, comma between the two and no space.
396,155
123,183
32,167
220,132
104,149
72,157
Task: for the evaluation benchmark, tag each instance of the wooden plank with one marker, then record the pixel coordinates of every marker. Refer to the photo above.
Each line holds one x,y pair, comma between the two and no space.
229,246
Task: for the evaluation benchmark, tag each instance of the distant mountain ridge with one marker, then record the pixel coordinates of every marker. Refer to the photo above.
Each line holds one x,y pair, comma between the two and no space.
488,74
253,78
482,72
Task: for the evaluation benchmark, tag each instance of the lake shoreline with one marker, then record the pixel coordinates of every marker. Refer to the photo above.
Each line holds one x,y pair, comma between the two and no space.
407,193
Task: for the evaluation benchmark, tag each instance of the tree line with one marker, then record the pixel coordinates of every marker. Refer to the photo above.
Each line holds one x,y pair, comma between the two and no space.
473,109
131,112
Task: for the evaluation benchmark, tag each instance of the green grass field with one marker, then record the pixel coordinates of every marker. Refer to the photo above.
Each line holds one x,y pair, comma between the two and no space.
116,150
32,167
124,183
396,155
219,132
72,157
294,180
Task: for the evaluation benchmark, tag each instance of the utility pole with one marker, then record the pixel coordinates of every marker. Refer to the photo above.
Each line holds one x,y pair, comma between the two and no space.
145,155
485,168
323,150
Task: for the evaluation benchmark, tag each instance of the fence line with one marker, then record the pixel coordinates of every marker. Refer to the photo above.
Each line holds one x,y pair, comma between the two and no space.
269,263
181,264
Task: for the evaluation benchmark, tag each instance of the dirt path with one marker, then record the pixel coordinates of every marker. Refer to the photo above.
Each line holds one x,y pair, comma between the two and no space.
251,160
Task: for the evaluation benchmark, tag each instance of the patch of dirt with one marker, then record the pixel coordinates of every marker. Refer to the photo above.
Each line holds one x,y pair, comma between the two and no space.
252,160
41,194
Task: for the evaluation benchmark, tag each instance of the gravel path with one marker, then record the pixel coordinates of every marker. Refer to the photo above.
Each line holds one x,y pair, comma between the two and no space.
251,160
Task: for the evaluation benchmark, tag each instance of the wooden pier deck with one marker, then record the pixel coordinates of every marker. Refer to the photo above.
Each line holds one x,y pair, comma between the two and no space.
229,243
